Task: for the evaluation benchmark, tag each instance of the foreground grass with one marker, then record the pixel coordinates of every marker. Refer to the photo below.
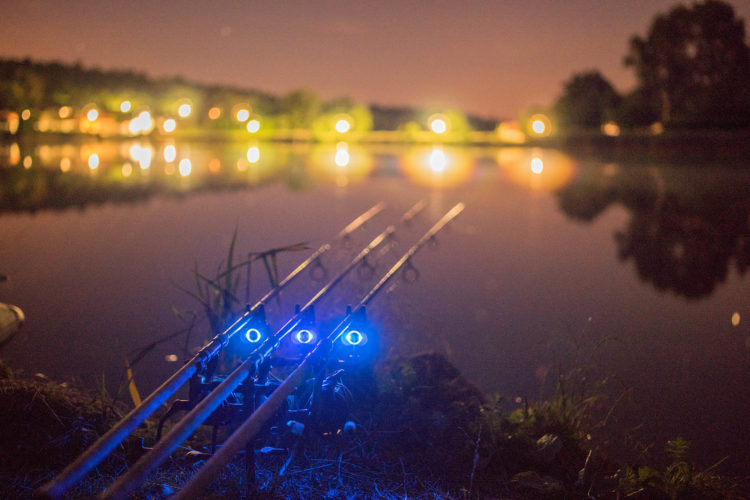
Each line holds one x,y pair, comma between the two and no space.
420,431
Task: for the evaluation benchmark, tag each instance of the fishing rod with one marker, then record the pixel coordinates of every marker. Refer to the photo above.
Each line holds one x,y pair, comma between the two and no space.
211,401
108,442
243,434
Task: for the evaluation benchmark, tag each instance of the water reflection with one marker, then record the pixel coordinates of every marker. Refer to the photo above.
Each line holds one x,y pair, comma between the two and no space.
253,154
170,153
14,154
142,155
186,167
93,161
341,163
686,228
537,169
439,166
342,157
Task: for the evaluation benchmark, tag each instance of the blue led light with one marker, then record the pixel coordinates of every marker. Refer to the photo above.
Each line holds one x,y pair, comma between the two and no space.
353,337
304,336
253,335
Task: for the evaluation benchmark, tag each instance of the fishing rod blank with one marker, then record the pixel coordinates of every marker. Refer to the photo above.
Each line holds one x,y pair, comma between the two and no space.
272,343
195,417
106,444
242,435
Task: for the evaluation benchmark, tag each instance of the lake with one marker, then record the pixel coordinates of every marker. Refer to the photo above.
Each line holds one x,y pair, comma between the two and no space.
627,268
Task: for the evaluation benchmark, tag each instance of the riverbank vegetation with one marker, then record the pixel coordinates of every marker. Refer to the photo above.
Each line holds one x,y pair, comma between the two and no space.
420,430
56,98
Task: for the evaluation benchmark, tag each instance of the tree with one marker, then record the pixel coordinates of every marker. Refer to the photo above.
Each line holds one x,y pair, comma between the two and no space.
638,109
694,66
301,108
20,86
588,100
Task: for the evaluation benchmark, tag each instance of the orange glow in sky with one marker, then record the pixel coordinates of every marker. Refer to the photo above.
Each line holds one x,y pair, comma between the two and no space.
495,59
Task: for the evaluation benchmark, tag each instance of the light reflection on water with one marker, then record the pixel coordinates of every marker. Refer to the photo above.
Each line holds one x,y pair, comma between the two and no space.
437,166
553,255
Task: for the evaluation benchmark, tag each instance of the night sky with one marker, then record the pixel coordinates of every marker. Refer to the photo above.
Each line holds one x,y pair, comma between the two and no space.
493,58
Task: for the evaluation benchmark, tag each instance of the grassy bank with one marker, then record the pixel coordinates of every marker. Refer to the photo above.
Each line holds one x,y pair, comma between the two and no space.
420,431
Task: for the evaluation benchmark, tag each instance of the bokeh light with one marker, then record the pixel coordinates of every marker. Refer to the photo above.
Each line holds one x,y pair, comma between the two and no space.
437,161
169,125
536,169
184,110
242,115
170,153
342,163
141,124
126,106
509,132
611,129
537,165
343,126
93,161
438,124
141,154
253,126
342,156
186,167
438,167
214,113
15,154
253,154
540,125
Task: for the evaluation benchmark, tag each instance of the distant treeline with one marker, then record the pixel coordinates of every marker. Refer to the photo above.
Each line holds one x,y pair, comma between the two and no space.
33,85
692,70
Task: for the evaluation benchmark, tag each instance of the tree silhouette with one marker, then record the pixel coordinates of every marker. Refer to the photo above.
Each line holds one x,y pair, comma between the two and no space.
694,66
588,100
680,248
682,235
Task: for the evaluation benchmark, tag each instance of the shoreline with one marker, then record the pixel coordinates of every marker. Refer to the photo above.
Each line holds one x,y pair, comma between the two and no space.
421,426
470,138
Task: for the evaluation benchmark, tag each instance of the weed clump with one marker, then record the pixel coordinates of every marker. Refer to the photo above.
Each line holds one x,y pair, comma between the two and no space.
427,412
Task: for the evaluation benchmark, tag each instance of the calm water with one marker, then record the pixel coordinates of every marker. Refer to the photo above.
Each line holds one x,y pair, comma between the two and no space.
633,270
